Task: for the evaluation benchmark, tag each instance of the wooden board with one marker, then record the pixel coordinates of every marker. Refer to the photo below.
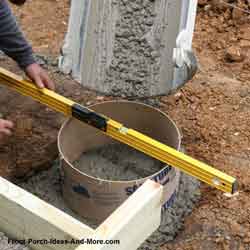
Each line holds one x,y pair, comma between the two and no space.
133,222
24,216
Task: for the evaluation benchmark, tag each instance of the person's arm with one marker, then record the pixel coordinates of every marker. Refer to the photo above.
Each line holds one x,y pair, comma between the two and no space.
13,44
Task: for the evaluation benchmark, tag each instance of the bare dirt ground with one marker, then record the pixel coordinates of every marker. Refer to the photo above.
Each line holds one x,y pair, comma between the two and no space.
213,112
45,23
33,145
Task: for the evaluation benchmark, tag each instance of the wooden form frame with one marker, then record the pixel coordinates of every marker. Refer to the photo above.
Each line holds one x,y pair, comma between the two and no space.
24,216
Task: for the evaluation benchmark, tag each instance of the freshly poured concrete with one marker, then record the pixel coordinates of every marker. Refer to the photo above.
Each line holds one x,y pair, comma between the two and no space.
117,162
5,244
46,185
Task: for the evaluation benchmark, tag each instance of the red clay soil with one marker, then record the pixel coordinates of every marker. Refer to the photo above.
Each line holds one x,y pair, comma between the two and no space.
33,146
44,23
213,112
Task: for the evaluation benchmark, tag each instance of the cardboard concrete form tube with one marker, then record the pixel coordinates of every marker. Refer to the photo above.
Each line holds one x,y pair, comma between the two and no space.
99,198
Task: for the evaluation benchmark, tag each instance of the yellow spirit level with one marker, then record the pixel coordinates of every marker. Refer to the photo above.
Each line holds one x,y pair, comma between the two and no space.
118,131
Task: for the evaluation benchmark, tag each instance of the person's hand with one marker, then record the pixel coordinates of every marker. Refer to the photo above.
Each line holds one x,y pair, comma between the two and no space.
39,76
5,128
18,2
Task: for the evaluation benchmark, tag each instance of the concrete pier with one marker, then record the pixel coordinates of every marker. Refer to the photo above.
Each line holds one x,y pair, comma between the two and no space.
123,48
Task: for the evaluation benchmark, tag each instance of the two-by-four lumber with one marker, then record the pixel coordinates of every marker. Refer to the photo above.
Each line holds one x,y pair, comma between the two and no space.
133,222
24,216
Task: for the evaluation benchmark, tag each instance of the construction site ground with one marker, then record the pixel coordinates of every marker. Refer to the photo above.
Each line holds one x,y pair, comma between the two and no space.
212,111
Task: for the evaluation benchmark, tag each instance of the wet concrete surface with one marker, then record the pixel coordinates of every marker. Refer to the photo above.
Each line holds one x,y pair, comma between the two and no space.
47,186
